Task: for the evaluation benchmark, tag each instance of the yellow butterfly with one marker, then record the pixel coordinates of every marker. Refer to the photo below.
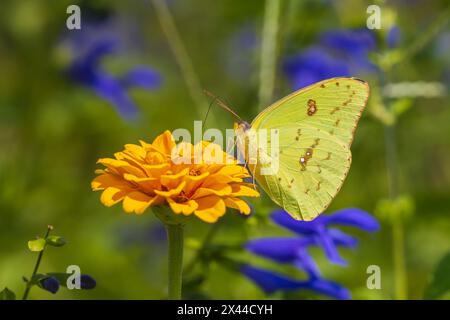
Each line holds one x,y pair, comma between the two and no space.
315,127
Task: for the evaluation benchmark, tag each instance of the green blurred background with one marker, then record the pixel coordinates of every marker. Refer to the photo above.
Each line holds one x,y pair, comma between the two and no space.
52,131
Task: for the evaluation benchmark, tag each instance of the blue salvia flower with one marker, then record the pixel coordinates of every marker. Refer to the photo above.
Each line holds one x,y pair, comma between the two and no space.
87,282
312,65
95,42
294,250
356,43
337,53
393,37
154,233
271,282
239,53
319,229
50,284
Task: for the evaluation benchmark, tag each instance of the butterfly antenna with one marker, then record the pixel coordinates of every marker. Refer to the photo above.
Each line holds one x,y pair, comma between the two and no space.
221,104
207,113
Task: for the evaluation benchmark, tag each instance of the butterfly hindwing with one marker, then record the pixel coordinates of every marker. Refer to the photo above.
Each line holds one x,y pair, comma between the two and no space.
316,127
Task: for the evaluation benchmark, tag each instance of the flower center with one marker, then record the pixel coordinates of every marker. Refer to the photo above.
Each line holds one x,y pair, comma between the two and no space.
194,172
181,197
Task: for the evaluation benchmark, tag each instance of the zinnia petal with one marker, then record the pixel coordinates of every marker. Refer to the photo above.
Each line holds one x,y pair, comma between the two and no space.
218,190
106,180
120,166
171,192
210,208
164,143
185,208
241,190
136,150
172,180
111,195
238,204
137,202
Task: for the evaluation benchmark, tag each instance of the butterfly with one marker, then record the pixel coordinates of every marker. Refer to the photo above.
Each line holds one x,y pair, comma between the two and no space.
315,127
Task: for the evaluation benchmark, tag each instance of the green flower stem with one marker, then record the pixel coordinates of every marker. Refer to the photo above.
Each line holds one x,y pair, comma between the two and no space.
268,52
36,266
398,241
174,227
401,284
175,237
181,55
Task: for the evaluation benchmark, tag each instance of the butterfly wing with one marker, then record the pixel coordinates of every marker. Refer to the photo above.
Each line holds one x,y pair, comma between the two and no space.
316,126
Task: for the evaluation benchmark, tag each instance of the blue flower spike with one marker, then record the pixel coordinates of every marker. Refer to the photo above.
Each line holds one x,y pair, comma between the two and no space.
326,237
294,250
50,284
337,53
93,45
271,282
87,282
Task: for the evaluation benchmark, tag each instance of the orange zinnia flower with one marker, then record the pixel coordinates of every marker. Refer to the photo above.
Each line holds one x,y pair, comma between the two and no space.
148,175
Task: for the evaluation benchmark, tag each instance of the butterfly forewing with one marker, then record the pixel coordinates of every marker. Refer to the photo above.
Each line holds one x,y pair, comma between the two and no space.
316,127
334,105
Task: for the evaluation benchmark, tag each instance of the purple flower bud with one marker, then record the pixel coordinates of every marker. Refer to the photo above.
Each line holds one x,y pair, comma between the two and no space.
87,282
50,284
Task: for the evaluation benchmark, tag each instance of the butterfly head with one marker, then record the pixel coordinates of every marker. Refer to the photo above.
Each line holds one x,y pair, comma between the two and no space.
241,127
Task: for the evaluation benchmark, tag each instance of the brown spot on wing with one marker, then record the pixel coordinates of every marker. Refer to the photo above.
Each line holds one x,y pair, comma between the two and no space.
334,110
318,186
312,107
315,144
305,158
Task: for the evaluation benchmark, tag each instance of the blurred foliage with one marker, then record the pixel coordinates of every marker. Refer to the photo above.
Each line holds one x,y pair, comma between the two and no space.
440,284
52,131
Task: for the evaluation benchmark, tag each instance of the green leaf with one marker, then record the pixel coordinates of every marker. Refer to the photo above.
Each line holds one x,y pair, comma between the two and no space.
36,245
7,294
37,278
440,283
56,241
